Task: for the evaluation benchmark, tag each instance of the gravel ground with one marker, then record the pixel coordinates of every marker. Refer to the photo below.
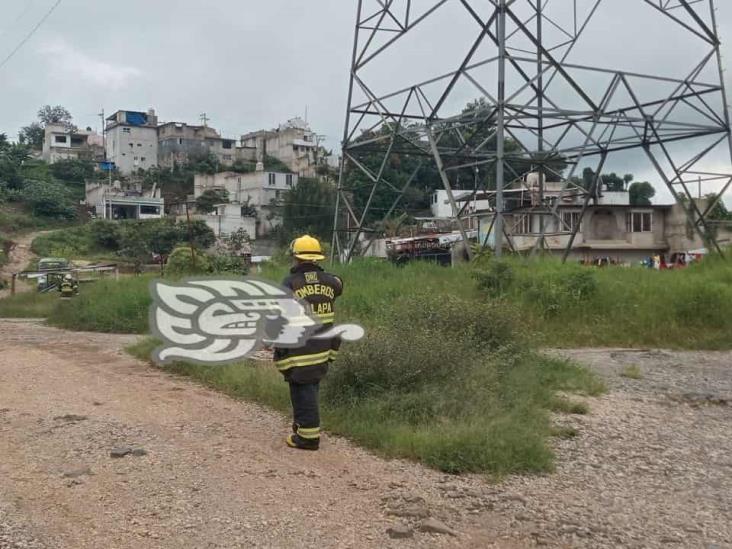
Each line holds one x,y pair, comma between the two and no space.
649,466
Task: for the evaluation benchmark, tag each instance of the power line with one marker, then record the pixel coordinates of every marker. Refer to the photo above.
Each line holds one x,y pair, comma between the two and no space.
30,34
22,14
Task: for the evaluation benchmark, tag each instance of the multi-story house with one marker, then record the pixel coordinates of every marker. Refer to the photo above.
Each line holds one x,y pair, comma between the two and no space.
612,228
179,142
117,202
63,142
132,140
293,143
257,194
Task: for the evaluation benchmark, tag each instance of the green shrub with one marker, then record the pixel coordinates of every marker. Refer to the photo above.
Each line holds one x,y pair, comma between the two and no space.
186,261
48,199
106,234
556,290
129,240
69,243
227,264
496,279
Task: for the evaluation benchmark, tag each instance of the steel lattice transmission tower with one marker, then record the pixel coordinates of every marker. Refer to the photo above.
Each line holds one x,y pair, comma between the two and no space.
558,80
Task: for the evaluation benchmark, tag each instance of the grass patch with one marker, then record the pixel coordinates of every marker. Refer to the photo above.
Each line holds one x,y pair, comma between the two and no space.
574,306
558,305
15,219
564,431
632,372
28,305
107,306
443,381
567,406
448,375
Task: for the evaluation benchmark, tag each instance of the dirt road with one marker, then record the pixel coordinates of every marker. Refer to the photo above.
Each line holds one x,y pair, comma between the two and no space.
650,465
20,255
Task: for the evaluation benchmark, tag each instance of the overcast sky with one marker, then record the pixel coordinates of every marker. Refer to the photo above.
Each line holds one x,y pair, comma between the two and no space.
248,64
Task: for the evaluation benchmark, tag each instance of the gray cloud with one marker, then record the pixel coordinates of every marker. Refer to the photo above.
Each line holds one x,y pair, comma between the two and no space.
247,64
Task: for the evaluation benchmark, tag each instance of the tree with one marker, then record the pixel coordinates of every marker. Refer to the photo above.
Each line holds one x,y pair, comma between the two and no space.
205,162
614,183
211,197
48,199
272,164
186,261
236,244
54,115
309,208
719,212
73,170
472,129
641,193
12,158
32,135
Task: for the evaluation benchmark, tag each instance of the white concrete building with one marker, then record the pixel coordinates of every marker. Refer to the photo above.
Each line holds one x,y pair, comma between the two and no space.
442,209
113,201
229,218
62,142
259,190
293,143
132,140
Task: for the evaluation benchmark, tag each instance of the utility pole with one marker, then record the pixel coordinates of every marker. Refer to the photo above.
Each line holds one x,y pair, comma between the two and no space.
540,120
190,235
204,119
500,126
104,134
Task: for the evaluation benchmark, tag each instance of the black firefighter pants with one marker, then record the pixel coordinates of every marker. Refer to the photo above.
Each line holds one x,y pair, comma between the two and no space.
305,409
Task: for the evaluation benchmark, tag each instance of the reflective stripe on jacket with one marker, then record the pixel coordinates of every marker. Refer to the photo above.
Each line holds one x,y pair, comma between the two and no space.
319,289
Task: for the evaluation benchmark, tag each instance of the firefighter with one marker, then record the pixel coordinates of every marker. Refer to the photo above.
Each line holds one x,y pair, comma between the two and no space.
69,287
306,366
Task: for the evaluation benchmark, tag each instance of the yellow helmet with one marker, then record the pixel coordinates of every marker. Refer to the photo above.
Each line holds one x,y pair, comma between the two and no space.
307,248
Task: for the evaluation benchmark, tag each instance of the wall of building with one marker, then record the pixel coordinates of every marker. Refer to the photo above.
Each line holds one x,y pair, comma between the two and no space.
440,204
179,142
293,143
132,148
228,219
132,140
258,189
60,143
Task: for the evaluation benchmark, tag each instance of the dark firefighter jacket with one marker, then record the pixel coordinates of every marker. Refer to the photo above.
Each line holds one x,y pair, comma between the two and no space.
309,363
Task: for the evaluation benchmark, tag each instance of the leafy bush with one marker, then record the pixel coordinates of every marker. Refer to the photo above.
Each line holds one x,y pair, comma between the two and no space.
130,240
560,291
497,279
185,261
48,199
227,264
211,197
106,234
68,243
72,170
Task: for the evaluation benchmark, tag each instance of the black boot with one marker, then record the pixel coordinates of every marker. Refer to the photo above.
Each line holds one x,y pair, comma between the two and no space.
296,441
